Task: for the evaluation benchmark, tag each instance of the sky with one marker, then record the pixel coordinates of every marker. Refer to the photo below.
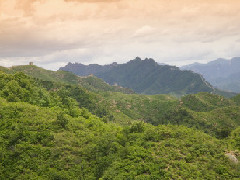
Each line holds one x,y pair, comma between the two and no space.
52,33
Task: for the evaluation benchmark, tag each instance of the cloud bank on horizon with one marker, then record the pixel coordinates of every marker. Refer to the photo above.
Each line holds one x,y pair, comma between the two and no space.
52,33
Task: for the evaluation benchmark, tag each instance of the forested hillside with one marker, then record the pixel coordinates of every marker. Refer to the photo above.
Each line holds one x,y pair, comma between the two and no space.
43,143
105,116
147,77
101,100
91,83
49,131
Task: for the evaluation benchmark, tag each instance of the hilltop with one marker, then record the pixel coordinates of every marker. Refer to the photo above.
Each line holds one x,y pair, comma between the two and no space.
89,82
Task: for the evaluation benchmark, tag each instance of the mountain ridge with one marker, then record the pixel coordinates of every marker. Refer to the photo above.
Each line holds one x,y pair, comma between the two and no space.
221,73
89,82
147,77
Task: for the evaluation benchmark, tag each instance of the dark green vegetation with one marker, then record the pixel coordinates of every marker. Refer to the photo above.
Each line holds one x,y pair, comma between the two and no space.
48,130
213,114
83,70
36,144
147,77
222,73
91,83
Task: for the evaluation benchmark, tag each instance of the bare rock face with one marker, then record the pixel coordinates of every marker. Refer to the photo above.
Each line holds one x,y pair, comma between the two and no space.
232,157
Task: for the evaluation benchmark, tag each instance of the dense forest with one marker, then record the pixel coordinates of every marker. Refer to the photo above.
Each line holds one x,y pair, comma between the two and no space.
55,125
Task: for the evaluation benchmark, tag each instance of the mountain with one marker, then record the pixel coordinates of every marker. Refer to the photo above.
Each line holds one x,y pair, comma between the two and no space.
88,82
85,70
120,107
221,73
146,77
47,132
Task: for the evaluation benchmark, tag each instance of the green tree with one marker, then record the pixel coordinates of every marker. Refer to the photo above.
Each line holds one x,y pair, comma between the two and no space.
62,120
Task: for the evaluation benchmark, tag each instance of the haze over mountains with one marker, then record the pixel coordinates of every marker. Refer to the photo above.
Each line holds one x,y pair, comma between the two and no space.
221,73
132,118
145,77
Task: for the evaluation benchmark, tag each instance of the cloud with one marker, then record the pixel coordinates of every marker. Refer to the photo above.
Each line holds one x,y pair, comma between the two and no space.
92,1
58,31
145,30
26,5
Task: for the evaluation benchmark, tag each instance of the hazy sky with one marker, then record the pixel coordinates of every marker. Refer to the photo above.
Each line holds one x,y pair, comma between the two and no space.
54,32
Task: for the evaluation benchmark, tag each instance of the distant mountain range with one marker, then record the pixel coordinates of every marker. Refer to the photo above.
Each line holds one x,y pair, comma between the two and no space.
221,73
145,77
85,70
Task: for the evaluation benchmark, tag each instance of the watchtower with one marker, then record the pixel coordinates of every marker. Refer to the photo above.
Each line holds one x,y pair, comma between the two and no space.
30,63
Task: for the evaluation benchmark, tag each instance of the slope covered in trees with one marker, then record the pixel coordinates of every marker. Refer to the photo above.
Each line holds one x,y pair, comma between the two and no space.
91,83
47,131
43,143
148,77
210,113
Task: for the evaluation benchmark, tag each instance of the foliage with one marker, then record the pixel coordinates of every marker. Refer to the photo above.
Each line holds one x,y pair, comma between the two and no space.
21,88
203,102
236,99
91,83
210,113
48,131
235,138
33,146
